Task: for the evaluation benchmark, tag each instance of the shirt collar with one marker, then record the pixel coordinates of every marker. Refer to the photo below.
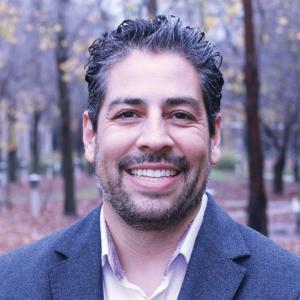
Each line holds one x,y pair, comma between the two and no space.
109,254
184,248
186,243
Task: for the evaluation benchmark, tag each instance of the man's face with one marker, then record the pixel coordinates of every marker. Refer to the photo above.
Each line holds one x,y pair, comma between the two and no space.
152,148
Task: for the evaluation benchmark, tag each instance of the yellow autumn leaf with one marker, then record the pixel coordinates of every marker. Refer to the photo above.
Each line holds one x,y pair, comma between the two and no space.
57,28
79,73
66,77
92,17
234,9
45,43
12,40
129,6
90,40
240,77
228,73
211,22
235,87
239,40
265,38
69,65
79,47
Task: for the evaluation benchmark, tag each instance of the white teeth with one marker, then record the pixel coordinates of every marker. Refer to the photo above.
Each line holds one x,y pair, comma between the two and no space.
150,174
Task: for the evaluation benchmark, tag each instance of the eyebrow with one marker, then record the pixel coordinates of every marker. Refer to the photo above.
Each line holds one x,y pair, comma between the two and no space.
129,101
172,101
195,103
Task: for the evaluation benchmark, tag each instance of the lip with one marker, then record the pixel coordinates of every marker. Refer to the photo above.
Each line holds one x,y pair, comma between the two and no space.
152,184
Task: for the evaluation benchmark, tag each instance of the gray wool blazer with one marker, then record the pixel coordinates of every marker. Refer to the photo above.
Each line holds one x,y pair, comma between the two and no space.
229,261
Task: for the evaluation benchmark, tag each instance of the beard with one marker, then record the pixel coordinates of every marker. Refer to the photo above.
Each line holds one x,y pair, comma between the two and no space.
151,216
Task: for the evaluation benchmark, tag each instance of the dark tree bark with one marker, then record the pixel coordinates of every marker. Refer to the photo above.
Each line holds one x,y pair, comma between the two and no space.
278,169
36,71
257,197
35,149
280,140
151,8
296,154
296,170
12,165
64,106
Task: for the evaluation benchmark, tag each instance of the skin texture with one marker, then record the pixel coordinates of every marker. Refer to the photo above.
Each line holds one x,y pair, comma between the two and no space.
153,117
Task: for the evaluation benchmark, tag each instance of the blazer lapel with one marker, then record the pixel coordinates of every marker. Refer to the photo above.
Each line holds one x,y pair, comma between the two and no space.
212,271
79,273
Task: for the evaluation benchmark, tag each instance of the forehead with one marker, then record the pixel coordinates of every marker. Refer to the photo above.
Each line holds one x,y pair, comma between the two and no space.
152,77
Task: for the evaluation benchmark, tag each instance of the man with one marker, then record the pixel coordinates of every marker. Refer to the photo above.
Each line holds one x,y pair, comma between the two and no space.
152,129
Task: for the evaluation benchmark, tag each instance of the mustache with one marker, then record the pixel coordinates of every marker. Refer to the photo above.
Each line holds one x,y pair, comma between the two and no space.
179,162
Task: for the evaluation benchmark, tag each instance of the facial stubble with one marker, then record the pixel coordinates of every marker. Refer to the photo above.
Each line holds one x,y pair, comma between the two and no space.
150,218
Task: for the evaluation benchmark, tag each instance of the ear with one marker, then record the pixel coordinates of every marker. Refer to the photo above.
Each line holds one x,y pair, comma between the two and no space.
89,138
215,140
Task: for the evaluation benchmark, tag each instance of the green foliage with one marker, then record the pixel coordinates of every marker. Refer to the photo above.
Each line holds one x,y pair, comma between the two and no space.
223,175
227,163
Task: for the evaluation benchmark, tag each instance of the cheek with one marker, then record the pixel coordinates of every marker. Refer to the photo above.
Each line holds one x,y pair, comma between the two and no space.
192,144
115,143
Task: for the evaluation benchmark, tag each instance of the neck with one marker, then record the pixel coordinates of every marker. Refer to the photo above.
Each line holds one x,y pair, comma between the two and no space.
144,252
144,242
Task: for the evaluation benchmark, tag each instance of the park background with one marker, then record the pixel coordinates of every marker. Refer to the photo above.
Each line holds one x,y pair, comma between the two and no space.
45,182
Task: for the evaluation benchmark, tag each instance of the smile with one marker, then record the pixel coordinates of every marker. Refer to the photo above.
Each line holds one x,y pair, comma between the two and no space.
150,174
149,177
153,174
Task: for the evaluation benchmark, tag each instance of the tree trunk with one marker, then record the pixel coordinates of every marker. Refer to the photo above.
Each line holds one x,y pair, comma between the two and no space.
296,160
64,106
296,170
257,197
151,8
278,174
12,165
35,153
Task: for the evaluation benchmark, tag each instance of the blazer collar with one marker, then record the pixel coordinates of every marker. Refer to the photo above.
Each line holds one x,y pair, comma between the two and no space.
78,275
213,271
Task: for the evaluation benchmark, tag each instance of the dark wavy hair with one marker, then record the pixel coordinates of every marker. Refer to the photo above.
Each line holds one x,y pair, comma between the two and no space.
161,34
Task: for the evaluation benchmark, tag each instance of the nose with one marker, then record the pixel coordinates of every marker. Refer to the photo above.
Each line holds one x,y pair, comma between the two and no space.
155,137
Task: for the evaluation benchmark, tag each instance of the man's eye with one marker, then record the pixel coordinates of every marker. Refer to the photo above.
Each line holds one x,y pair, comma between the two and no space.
182,116
127,115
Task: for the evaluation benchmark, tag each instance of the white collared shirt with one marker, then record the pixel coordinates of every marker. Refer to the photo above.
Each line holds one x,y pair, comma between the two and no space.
115,284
